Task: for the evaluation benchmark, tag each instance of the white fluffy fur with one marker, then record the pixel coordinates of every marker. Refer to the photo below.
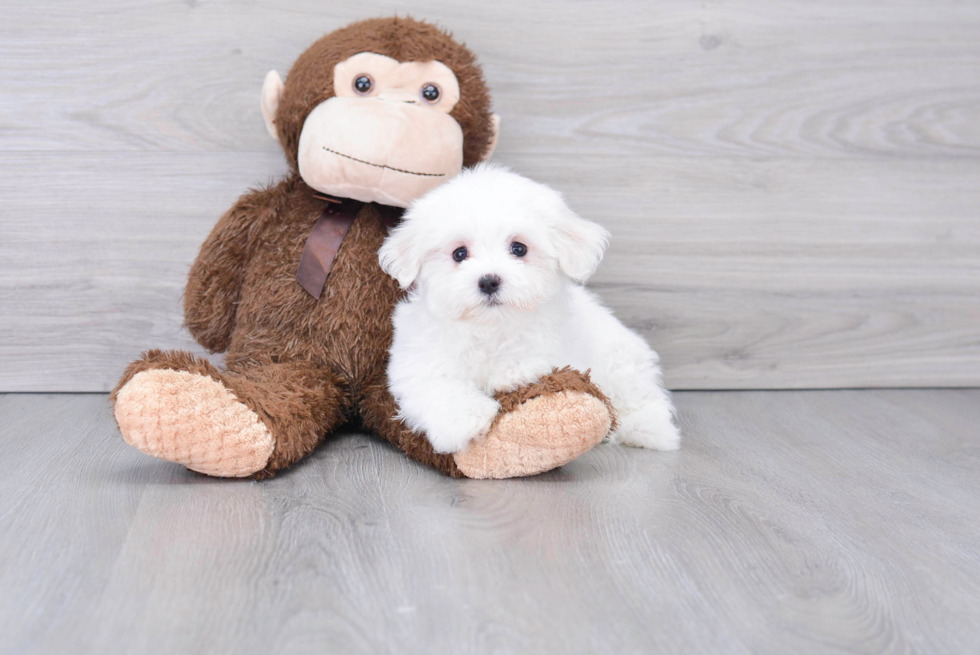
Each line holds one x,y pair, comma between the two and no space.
453,346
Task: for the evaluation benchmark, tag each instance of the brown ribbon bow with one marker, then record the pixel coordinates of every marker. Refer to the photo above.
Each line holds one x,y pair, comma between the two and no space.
327,236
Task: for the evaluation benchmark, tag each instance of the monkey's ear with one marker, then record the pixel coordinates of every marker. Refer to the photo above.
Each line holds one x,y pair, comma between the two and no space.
579,243
271,92
401,256
495,126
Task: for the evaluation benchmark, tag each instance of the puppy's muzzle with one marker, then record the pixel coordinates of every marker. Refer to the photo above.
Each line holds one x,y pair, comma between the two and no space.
489,284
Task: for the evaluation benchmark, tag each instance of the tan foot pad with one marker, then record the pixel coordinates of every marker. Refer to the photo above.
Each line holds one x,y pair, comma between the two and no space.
541,434
193,420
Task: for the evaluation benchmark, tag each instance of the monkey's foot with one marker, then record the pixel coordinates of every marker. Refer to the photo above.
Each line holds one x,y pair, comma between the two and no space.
541,426
194,420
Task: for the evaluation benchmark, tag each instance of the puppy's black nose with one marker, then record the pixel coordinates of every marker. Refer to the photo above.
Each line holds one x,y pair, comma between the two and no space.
489,284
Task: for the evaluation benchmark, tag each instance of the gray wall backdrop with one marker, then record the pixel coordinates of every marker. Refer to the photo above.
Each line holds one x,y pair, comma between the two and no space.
793,187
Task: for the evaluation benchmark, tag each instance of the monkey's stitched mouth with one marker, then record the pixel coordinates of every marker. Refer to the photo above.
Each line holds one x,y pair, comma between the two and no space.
397,170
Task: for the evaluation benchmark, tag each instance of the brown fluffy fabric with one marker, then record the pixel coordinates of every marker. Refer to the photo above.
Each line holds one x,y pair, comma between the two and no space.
310,80
303,365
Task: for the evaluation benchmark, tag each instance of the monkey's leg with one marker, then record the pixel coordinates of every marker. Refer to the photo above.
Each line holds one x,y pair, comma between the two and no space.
540,427
253,420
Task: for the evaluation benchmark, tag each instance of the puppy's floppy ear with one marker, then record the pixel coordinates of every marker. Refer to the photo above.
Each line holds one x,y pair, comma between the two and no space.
401,254
579,243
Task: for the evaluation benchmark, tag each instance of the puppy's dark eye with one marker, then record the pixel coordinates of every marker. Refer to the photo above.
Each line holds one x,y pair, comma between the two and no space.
518,249
363,84
460,254
430,92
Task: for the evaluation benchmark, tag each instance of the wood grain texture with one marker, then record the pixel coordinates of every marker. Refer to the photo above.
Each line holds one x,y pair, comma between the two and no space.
790,522
793,188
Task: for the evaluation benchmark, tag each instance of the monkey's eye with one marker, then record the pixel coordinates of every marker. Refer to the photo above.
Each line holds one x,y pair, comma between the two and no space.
460,254
430,93
363,84
518,249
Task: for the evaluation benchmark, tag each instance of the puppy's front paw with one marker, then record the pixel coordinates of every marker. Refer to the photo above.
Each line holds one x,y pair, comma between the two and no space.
650,426
461,422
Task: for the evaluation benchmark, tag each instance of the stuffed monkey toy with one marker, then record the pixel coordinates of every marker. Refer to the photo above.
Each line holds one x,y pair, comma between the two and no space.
288,283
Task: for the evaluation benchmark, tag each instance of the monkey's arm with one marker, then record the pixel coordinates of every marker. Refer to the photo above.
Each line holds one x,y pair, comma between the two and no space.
215,281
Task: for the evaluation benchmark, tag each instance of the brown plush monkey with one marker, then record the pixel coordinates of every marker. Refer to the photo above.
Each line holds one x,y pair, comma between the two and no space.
288,284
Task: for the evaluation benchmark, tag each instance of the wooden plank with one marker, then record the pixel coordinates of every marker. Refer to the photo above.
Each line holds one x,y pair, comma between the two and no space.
790,274
752,78
790,522
793,188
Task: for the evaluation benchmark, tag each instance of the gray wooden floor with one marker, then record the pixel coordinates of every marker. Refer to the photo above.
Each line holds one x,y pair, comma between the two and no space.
791,522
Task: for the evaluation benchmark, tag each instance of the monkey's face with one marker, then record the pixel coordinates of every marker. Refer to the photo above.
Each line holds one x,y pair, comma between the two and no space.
386,136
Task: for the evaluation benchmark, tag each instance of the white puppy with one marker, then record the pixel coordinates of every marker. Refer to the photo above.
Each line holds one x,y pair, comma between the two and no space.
493,264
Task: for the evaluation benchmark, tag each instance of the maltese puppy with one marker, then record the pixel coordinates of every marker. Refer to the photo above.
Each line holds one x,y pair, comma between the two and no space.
494,264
